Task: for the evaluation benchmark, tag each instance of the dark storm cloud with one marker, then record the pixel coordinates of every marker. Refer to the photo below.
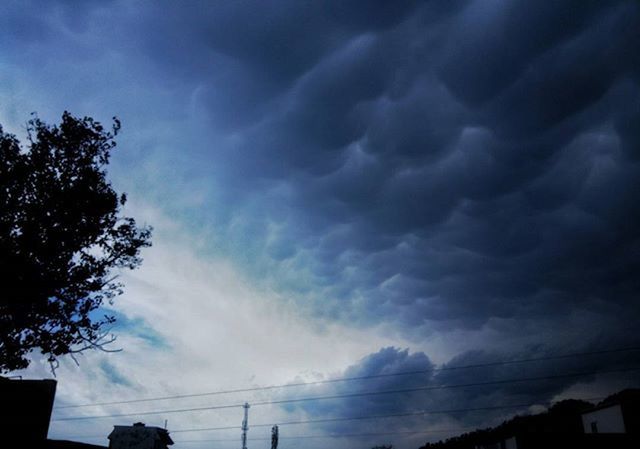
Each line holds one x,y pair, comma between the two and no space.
247,53
440,165
499,41
453,407
477,164
437,165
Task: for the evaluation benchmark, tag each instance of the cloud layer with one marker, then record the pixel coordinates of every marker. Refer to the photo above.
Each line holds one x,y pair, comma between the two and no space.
457,177
439,169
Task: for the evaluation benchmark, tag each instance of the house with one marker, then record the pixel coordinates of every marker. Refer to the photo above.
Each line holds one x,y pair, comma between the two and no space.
27,407
612,424
26,413
139,436
619,413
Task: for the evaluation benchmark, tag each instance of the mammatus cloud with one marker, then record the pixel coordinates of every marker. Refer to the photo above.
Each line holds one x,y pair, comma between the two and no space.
460,165
434,165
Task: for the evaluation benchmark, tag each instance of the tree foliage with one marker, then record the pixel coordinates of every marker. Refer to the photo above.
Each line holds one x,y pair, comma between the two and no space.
62,239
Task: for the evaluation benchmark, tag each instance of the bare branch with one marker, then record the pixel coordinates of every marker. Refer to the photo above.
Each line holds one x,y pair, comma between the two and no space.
97,343
53,365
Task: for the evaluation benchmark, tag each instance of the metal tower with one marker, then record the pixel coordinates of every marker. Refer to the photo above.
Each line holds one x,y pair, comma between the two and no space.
245,425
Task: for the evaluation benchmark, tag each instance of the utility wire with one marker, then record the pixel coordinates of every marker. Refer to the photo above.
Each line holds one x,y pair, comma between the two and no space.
443,387
359,418
370,417
371,376
344,435
308,436
353,395
120,415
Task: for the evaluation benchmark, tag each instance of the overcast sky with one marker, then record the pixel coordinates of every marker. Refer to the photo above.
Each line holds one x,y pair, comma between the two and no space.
349,189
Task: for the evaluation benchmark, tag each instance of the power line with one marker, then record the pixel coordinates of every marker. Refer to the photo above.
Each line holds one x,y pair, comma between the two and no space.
344,435
361,418
370,417
352,395
307,421
371,376
219,428
120,415
443,387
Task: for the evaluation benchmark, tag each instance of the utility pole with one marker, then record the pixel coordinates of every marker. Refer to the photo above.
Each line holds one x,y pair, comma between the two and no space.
274,437
245,425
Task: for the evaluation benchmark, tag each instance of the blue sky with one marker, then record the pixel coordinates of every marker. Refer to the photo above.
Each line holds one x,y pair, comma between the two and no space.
343,187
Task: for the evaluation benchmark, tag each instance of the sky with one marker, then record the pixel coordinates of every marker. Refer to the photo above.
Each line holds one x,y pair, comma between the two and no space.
350,189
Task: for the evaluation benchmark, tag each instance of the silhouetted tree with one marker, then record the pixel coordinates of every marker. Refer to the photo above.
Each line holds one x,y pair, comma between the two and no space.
61,237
